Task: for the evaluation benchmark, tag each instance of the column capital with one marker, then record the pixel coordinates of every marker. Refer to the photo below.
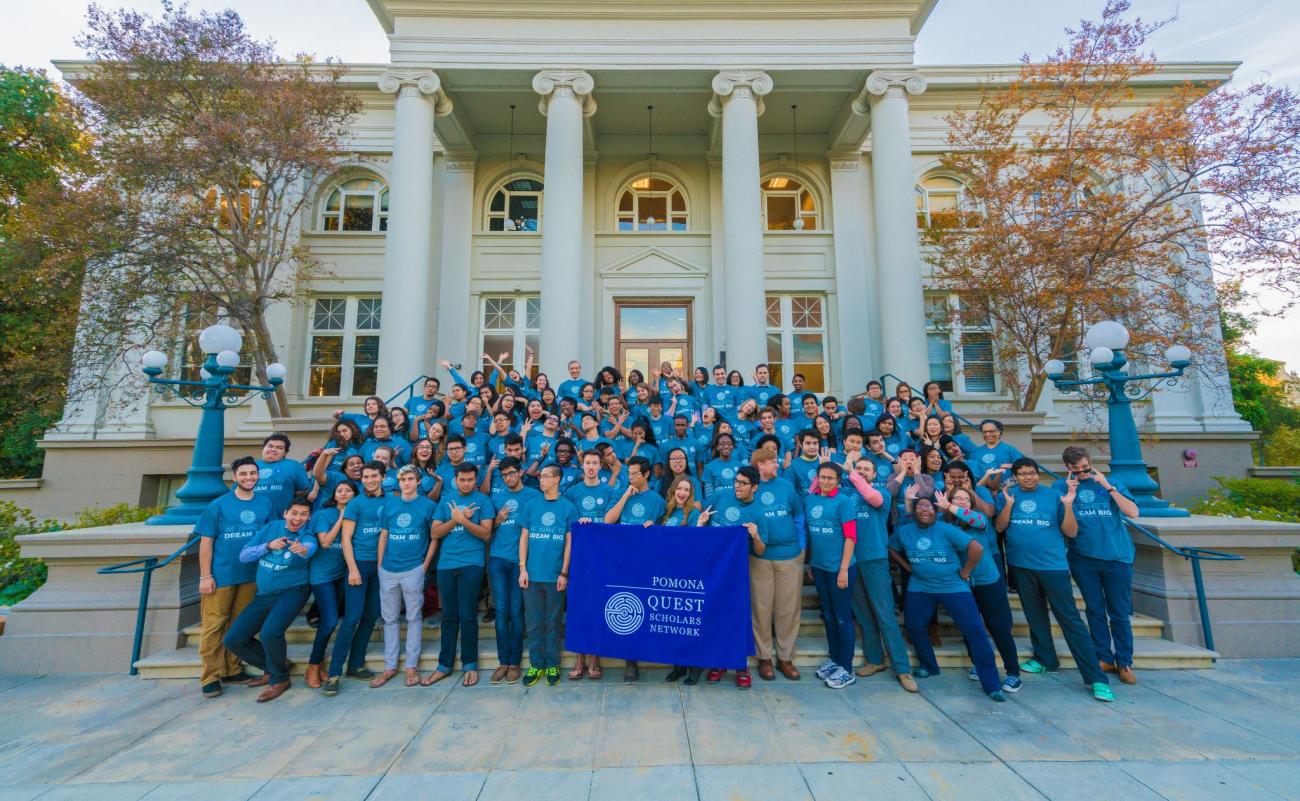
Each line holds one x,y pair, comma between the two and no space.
888,83
565,83
422,82
739,82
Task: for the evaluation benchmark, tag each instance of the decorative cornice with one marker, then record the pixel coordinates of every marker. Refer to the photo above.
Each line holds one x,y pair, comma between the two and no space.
742,83
888,83
842,161
410,82
461,161
565,83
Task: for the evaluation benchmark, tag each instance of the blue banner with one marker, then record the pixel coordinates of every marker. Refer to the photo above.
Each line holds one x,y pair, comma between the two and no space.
668,594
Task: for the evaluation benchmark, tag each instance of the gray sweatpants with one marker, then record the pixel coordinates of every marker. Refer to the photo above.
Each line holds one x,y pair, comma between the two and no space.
394,589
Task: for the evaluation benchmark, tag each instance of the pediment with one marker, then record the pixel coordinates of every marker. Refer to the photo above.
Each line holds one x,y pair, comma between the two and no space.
653,261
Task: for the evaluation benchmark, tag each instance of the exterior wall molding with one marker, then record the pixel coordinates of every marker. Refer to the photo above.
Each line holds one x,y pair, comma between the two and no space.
422,82
566,82
739,82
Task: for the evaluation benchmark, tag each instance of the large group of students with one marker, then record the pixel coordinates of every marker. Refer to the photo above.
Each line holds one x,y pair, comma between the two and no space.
882,502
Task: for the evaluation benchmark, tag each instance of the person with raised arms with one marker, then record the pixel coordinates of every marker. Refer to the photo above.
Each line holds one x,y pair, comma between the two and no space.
328,574
544,543
511,498
372,407
363,519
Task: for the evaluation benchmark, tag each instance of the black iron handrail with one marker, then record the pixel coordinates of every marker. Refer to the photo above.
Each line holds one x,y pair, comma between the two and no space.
145,566
897,380
408,390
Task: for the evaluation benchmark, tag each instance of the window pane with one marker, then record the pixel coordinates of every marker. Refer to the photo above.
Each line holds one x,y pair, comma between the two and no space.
496,224
625,202
652,322
940,358
363,380
625,223
773,311
330,223
653,206
366,352
496,344
533,341
533,313
328,314
807,311
679,223
673,356
977,362
327,350
814,374
774,359
333,203
523,210
808,348
937,313
358,212
324,382
369,313
780,212
636,359
499,314
498,202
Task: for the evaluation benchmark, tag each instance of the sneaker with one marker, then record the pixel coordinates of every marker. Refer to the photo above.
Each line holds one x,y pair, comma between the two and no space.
242,677
827,669
1012,684
973,674
921,673
869,669
743,681
532,676
1033,666
212,689
1102,692
715,675
997,695
331,686
362,672
840,679
552,677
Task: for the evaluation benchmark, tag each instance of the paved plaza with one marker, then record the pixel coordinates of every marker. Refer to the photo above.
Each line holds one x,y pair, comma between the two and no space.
1231,733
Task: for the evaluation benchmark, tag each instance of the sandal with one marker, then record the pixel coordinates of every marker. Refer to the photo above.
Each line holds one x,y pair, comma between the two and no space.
382,679
594,672
412,677
433,678
469,679
579,670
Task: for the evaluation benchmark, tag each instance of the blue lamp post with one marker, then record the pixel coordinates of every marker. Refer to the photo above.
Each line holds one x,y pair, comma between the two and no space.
204,481
1106,342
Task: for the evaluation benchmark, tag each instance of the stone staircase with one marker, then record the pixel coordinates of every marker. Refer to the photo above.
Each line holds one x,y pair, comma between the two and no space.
1151,650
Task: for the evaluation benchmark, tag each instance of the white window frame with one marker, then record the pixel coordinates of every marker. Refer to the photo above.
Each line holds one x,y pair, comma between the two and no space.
379,216
349,332
666,194
796,195
955,327
787,330
502,186
923,195
520,331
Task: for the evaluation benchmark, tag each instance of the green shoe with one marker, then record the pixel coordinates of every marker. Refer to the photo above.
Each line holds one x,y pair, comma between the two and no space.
552,676
531,676
1102,692
1033,666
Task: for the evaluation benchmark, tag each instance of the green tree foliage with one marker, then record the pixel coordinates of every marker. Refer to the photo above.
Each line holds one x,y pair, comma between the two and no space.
40,133
1261,389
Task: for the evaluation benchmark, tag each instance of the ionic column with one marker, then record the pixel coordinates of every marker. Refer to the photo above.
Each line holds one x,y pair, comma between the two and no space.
854,274
456,249
405,327
738,100
898,253
566,99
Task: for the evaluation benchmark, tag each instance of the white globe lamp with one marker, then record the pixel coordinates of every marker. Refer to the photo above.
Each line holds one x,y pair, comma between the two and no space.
219,337
228,358
1100,356
1106,334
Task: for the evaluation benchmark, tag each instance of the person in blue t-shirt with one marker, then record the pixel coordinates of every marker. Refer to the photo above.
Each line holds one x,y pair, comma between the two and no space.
719,394
761,391
832,523
638,506
940,559
477,448
462,525
720,471
1101,560
381,436
572,387
592,497
282,553
802,470
330,469
226,584
362,522
544,541
1037,521
420,405
681,438
776,576
279,478
511,498
329,571
991,460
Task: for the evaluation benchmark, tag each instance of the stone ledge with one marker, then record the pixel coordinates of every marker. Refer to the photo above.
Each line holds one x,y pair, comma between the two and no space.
19,484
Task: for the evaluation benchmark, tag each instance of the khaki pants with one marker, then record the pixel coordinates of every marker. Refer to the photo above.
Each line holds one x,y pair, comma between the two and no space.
775,588
216,613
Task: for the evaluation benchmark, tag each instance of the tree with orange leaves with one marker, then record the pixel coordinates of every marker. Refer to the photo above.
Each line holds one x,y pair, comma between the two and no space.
1097,188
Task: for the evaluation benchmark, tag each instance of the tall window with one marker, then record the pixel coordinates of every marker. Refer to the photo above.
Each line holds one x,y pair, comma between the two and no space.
360,204
796,339
224,210
511,324
652,204
189,358
786,200
516,205
343,352
960,346
941,203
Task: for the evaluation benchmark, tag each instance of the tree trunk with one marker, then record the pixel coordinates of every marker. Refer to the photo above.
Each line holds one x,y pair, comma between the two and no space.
264,354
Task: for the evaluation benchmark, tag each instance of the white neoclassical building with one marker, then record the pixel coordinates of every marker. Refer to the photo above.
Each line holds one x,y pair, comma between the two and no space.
625,182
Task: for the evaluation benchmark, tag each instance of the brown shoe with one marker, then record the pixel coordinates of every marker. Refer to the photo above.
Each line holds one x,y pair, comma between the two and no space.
513,673
787,669
273,691
260,681
499,675
908,682
765,671
313,676
1106,667
1126,674
869,670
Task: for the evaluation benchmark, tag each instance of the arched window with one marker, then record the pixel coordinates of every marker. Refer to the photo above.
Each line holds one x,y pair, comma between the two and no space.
516,205
652,204
789,205
941,203
359,204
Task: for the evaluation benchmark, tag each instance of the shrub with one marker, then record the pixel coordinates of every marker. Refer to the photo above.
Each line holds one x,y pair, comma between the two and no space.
1260,499
1281,448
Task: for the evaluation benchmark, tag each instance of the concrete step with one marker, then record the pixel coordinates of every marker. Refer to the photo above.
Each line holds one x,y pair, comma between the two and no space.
1150,653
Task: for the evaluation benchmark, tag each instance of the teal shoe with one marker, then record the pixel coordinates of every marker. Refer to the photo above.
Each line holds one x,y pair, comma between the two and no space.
1033,666
997,695
1102,692
921,673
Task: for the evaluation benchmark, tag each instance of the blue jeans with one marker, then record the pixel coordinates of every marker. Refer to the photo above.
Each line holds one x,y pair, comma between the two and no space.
328,596
919,607
873,608
991,599
837,611
458,589
1107,588
1040,589
544,610
503,576
360,611
268,617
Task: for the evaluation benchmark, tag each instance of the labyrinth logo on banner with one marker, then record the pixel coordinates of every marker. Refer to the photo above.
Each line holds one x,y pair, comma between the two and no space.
668,594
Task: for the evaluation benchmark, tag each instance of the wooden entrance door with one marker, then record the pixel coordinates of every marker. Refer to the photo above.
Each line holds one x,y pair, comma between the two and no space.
649,333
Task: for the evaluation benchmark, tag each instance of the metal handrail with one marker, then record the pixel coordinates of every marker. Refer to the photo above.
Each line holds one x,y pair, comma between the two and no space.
408,390
897,380
146,566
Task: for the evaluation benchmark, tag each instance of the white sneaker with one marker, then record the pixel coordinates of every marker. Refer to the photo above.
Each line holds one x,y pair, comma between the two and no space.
973,675
840,679
827,670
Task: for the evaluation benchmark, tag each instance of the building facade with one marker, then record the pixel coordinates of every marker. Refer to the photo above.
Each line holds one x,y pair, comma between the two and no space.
627,183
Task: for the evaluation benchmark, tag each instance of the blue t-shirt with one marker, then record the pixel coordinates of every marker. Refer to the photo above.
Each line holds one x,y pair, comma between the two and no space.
400,447
280,481
724,398
641,508
407,524
802,473
548,524
477,449
328,564
982,457
662,426
283,569
570,388
1034,538
936,554
687,444
719,475
505,537
780,504
761,393
1102,533
873,529
368,513
231,523
986,571
729,511
592,502
826,516
459,547
675,518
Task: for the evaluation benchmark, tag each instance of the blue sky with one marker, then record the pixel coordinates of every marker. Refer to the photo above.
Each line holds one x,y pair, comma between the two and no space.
1260,33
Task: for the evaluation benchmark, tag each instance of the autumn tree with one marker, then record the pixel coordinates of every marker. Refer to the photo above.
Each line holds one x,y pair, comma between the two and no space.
208,141
1095,188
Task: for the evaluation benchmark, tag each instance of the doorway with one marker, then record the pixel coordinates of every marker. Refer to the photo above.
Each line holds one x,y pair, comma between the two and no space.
650,332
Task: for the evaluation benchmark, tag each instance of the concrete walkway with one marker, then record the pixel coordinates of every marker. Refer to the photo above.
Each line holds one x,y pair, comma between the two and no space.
1228,733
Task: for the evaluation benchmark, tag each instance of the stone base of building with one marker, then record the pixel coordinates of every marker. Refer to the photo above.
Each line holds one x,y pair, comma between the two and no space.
1254,603
83,622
